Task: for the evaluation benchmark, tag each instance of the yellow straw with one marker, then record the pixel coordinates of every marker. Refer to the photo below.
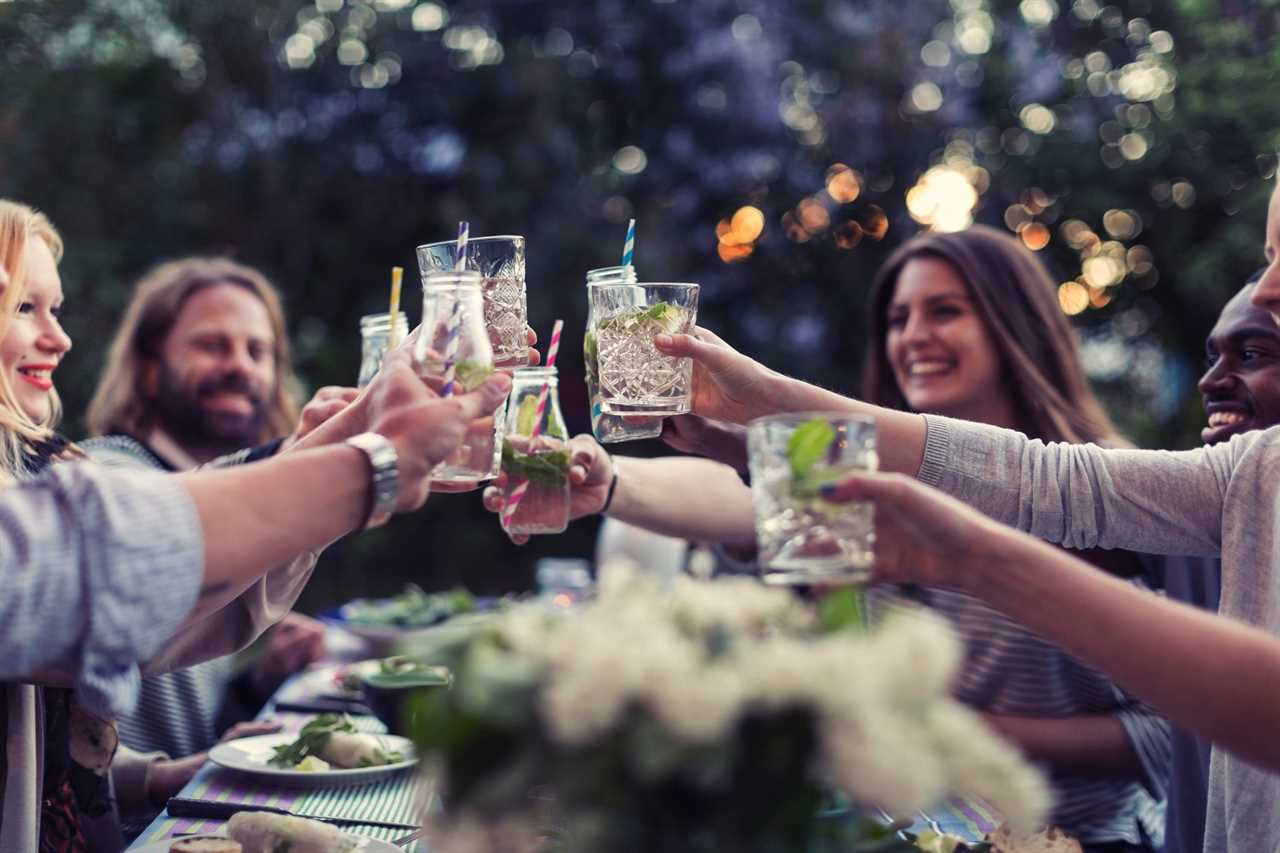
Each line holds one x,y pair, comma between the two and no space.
393,336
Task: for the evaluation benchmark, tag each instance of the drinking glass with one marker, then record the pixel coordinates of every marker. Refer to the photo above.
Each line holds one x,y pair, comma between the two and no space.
500,262
802,538
536,466
610,429
453,309
375,332
636,379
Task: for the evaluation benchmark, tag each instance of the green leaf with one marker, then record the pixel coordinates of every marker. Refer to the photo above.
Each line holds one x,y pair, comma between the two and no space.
844,609
808,445
311,739
544,469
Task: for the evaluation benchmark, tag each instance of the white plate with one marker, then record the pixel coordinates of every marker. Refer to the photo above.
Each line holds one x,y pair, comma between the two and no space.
251,754
365,845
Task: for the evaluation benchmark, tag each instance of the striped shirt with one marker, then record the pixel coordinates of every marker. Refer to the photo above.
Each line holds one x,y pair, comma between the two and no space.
1009,670
99,569
177,712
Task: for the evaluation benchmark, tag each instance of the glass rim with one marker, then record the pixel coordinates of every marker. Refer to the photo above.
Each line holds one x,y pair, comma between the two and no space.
490,238
383,316
539,370
797,418
688,285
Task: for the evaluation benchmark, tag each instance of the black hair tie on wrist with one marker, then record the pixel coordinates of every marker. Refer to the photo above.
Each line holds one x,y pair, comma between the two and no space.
613,485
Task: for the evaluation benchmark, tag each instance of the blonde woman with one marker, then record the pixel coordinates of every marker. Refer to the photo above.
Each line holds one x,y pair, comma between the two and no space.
236,602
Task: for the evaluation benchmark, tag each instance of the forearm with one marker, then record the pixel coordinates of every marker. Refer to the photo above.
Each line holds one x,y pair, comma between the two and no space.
259,516
1165,653
1089,746
683,497
900,436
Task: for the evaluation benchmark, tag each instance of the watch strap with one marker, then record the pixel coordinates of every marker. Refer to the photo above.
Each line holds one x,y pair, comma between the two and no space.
384,476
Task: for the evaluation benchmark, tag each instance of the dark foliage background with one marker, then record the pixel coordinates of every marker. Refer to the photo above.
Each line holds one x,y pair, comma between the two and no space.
323,141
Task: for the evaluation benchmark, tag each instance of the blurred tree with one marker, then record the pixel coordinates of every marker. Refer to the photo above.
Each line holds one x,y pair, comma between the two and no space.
773,151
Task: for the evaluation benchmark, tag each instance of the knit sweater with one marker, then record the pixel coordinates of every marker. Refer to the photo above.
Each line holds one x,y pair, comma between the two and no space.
1223,499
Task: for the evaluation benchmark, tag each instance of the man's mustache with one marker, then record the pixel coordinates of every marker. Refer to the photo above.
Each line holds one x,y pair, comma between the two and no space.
234,383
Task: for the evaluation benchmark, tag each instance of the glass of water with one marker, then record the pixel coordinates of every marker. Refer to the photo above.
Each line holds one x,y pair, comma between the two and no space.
635,379
500,262
802,538
375,334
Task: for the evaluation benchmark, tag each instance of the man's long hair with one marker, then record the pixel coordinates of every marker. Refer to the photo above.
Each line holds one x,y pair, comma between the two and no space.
121,402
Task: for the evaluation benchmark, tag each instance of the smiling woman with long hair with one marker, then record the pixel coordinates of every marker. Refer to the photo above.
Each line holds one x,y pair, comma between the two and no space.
56,795
967,325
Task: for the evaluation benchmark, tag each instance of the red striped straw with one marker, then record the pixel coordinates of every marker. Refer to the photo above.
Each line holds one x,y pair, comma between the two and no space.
517,494
453,326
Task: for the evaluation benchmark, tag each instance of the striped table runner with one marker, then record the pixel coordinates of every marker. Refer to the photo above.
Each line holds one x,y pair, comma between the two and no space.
400,797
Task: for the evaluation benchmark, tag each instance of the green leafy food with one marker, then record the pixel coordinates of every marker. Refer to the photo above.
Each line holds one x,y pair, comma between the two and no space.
472,374
311,740
413,608
402,671
543,469
808,445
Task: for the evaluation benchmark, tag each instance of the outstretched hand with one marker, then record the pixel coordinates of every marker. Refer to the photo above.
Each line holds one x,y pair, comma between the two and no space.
424,427
727,385
922,535
590,475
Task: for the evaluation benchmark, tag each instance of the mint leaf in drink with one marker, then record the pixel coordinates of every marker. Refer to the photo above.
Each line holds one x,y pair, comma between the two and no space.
808,445
542,469
669,317
472,374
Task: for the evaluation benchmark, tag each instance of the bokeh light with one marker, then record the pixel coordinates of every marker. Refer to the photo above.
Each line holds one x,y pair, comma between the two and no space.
1073,297
943,199
843,184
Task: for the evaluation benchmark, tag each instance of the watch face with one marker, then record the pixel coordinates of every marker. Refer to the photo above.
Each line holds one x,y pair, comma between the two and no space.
384,476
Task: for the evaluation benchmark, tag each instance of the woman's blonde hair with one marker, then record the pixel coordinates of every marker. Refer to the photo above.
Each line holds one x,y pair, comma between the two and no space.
20,436
121,402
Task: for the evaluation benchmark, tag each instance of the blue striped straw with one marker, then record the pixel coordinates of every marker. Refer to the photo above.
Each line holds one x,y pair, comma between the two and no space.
629,245
464,232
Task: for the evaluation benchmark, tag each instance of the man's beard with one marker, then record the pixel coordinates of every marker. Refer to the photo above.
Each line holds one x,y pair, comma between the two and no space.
179,411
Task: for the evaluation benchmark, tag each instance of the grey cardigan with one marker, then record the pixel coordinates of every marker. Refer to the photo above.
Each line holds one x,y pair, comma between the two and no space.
1220,499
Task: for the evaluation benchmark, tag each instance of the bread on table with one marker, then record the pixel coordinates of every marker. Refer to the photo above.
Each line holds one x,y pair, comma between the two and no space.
264,832
205,844
1051,840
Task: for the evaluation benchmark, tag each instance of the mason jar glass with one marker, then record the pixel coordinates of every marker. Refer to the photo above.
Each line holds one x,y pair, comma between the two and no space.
535,455
453,355
375,332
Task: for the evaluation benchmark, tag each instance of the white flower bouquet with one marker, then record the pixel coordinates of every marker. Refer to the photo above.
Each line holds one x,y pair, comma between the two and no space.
707,716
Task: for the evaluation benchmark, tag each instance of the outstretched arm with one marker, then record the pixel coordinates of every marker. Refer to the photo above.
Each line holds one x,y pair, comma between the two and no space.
1213,675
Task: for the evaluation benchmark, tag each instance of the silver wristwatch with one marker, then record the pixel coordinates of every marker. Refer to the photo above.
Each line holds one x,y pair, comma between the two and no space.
384,476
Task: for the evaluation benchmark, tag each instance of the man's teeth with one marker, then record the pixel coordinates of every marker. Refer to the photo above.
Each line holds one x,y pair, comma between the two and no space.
925,368
1218,419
